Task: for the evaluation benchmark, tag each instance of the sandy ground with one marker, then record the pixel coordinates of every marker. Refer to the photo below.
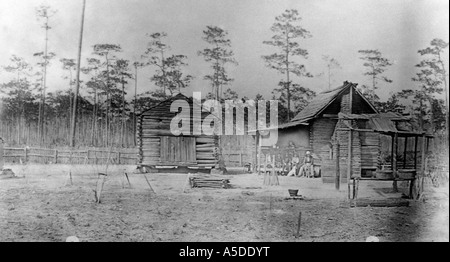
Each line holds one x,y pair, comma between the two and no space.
43,206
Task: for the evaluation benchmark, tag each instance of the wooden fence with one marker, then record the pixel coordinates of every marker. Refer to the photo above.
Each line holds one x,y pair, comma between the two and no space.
100,156
67,156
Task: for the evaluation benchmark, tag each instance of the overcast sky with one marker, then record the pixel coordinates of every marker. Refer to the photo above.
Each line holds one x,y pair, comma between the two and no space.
398,28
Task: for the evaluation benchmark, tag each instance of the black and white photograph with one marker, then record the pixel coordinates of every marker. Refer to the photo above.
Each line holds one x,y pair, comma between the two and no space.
231,121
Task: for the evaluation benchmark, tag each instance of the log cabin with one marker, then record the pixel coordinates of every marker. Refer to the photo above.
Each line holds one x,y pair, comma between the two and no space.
160,148
312,128
341,122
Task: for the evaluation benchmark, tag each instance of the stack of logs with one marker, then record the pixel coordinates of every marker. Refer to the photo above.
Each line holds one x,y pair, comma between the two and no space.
209,181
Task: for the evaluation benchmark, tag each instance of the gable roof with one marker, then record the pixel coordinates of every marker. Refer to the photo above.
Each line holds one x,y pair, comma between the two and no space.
324,99
166,104
162,109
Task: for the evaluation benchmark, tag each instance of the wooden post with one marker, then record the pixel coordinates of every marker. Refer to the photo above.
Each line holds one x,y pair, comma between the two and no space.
421,177
411,187
149,185
56,156
412,182
354,188
240,159
392,153
355,194
259,156
299,223
349,161
70,177
99,187
394,161
338,178
404,152
86,159
422,164
128,179
416,141
26,154
255,164
118,157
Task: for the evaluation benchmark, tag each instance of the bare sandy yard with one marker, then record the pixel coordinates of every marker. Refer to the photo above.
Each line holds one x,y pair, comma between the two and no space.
43,206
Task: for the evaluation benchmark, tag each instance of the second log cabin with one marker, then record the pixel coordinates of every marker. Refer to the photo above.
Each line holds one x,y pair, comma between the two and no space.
159,147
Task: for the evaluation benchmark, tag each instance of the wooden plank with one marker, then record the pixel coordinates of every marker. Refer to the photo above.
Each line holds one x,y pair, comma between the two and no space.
5,156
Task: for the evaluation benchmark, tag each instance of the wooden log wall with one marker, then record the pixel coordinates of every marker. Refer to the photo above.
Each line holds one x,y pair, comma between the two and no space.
370,150
322,131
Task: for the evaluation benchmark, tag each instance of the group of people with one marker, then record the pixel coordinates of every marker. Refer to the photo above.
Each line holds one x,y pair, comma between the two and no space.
295,167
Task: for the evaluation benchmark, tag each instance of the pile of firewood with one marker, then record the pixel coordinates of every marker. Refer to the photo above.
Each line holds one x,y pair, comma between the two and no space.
209,181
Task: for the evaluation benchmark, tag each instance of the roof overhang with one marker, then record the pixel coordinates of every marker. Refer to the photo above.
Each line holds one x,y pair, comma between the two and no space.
282,126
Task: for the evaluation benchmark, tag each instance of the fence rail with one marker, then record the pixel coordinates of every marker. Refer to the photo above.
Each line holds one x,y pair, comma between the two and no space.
99,156
64,156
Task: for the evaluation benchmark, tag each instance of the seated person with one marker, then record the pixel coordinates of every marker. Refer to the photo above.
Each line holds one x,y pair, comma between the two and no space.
294,163
308,165
285,167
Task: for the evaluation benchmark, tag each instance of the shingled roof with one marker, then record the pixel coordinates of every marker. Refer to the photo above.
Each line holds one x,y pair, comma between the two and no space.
166,105
323,100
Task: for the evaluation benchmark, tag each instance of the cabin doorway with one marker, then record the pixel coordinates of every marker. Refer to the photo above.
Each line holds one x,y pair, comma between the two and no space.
177,150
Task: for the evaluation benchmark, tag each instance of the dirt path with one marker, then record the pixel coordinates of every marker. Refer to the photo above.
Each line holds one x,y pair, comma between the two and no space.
43,207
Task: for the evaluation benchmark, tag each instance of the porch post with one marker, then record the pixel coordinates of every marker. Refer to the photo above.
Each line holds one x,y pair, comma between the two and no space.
404,152
423,149
416,141
394,161
338,176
